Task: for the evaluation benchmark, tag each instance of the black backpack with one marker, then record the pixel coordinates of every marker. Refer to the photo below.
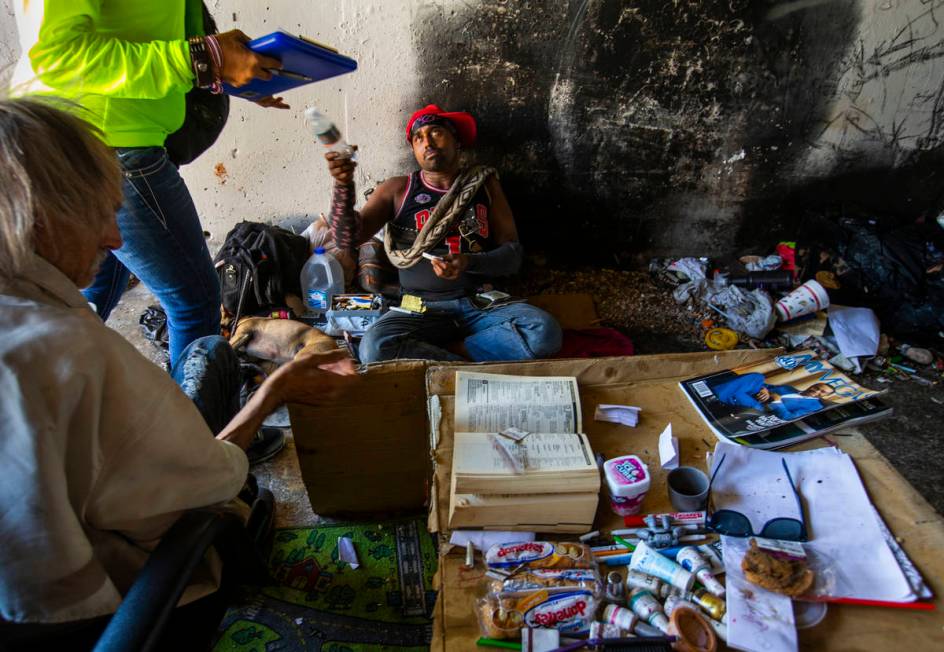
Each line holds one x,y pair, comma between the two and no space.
258,265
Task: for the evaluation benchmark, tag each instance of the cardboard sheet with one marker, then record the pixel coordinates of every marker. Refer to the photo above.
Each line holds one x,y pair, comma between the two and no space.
650,382
369,452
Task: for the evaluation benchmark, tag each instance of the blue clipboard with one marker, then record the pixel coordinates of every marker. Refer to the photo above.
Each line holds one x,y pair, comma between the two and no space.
303,62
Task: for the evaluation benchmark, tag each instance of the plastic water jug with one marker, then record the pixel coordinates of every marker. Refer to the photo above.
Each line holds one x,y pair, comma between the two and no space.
322,278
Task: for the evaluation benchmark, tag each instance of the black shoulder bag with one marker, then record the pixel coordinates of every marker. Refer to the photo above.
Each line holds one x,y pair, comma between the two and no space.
204,120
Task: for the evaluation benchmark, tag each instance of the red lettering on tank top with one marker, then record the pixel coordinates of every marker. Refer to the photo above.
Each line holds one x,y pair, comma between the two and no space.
481,216
421,218
454,241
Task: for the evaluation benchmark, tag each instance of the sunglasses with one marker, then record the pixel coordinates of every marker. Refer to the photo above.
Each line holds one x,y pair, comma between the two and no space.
735,524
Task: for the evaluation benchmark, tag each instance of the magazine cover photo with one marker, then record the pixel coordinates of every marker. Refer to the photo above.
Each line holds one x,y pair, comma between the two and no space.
765,395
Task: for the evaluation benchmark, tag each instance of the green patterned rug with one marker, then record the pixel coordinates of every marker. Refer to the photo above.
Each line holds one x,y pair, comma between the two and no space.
318,602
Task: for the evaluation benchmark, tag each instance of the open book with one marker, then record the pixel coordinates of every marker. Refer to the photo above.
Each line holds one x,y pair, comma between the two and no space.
519,458
758,399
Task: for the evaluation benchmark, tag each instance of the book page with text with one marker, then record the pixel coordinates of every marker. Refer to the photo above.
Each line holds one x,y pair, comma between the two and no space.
492,402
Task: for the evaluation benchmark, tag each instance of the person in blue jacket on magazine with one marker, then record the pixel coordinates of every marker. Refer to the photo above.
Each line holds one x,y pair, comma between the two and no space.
786,402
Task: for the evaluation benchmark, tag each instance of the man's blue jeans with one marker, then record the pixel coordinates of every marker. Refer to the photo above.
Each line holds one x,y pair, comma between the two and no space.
208,373
514,331
164,247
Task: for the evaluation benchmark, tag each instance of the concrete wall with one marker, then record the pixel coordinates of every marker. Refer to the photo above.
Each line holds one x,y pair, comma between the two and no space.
622,128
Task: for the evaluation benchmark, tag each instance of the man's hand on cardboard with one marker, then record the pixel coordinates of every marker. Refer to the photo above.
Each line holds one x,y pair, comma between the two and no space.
315,378
451,266
341,167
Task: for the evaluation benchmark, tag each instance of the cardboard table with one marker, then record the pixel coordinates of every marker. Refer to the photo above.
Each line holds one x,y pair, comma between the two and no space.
371,452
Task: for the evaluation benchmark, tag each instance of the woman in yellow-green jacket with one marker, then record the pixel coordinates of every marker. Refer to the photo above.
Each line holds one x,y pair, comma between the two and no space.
129,66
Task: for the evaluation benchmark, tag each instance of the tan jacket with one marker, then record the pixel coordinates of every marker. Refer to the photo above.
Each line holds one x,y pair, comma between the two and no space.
100,452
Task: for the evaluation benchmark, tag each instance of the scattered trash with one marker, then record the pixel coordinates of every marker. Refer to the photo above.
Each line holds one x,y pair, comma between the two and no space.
787,253
857,333
773,280
153,323
721,339
695,271
668,449
762,263
625,415
808,298
747,312
828,280
915,354
347,553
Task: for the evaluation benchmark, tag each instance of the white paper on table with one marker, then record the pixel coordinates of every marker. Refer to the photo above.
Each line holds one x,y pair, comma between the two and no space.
857,330
668,449
753,483
347,553
758,619
483,540
626,415
539,640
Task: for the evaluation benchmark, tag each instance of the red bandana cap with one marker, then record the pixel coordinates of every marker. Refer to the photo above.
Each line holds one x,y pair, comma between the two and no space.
462,122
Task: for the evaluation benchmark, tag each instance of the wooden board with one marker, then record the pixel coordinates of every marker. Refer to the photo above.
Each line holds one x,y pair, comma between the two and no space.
651,382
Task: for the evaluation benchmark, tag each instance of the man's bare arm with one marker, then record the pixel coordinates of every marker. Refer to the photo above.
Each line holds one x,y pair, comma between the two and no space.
312,379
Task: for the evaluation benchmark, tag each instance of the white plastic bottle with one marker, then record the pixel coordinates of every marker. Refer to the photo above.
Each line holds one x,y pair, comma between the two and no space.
322,278
324,131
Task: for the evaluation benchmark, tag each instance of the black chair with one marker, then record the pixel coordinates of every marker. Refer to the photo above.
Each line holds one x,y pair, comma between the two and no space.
141,621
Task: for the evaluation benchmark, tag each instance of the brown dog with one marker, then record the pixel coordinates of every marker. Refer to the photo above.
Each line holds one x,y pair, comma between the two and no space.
279,340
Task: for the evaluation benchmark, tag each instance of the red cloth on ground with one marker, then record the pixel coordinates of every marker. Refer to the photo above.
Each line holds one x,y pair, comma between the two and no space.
594,343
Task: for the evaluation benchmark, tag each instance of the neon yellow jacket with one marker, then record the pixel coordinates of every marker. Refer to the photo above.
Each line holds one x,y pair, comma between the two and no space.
126,61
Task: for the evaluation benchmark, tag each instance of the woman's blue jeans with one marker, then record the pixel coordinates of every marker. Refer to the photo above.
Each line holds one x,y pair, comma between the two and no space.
164,247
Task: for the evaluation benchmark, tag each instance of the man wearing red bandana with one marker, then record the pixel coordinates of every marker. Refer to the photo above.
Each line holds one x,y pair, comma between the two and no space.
449,231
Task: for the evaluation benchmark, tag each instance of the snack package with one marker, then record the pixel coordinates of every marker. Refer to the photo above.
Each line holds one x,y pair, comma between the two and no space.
552,580
570,613
539,554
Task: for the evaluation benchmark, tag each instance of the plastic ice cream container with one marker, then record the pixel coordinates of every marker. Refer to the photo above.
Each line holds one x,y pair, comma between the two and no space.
628,480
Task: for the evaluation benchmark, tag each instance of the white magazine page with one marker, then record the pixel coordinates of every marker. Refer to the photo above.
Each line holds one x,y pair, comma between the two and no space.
493,402
862,566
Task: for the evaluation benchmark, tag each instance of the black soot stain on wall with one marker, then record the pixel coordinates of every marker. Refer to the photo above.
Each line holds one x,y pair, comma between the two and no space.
629,129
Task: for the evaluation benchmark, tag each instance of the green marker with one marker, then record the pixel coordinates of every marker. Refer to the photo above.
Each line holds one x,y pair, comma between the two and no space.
623,542
494,642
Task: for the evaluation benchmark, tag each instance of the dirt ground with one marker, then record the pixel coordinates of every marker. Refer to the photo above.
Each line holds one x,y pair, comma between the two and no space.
632,303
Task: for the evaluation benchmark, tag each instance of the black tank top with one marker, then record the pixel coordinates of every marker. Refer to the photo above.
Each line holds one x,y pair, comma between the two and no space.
469,234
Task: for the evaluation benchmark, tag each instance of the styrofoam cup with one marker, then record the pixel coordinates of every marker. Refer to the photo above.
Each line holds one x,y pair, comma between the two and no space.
808,298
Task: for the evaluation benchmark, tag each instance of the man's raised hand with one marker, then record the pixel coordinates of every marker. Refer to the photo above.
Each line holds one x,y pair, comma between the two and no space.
341,167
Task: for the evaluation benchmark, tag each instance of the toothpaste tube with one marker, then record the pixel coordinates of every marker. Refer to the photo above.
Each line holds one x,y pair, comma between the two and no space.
621,617
693,561
648,561
637,580
644,604
605,630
